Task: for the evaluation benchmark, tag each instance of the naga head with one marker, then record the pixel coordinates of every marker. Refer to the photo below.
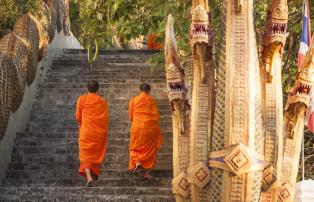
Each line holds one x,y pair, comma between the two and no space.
277,21
303,86
174,70
200,36
175,77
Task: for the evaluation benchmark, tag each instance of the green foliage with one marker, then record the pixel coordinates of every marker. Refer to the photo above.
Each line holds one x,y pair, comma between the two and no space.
11,10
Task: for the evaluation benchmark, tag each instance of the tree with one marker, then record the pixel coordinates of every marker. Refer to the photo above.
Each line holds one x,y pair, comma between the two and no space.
10,10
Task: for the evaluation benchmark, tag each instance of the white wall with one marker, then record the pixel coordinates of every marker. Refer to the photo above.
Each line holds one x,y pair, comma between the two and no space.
19,119
304,191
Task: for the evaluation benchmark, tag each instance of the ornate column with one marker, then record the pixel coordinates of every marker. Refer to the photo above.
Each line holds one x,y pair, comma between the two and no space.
237,144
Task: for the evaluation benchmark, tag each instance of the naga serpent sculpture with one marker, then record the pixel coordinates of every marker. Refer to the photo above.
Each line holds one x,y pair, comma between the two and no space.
254,143
294,118
273,42
21,50
177,94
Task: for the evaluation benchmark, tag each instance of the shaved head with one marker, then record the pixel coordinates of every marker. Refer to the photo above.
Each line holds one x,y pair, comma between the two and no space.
144,87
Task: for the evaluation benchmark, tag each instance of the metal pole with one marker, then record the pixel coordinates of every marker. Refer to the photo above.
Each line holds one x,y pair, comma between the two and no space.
303,167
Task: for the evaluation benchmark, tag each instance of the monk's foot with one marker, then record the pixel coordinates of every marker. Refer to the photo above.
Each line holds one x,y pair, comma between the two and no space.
89,183
137,169
149,176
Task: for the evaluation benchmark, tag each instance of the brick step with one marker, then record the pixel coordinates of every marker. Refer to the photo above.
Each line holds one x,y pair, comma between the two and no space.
105,173
142,69
110,97
120,52
123,133
113,132
70,104
80,181
88,198
68,89
73,124
21,141
161,165
65,156
114,116
69,82
48,150
69,110
70,132
11,191
82,61
103,76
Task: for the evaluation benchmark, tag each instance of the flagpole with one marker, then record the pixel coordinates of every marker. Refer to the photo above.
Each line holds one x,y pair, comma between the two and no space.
303,166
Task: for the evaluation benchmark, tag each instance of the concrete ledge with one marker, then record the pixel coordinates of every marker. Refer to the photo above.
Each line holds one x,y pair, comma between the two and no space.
304,191
18,120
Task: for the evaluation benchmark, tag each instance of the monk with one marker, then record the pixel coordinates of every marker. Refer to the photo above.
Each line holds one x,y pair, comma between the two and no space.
145,135
92,117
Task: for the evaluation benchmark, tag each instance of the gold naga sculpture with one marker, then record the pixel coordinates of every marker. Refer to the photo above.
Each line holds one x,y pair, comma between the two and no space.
252,142
294,118
22,49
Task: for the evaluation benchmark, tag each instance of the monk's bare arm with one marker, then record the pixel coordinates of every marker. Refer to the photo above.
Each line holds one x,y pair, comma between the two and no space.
78,114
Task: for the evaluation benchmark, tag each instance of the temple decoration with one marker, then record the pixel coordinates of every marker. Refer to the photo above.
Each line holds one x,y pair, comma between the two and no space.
202,91
180,110
20,52
237,143
296,107
199,175
181,186
272,45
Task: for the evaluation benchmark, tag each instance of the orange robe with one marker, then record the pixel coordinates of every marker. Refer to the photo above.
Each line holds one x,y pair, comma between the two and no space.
152,43
145,136
92,116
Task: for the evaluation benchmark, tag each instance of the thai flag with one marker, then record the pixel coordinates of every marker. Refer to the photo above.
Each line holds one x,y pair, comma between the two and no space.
306,34
310,111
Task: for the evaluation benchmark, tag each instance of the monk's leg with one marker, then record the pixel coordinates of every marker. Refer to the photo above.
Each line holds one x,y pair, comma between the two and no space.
88,175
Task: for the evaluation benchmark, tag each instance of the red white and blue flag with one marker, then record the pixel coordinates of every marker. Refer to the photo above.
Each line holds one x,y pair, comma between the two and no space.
306,34
310,111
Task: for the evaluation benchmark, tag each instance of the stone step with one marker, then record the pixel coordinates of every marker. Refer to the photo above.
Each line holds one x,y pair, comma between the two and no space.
120,52
161,165
70,132
118,150
105,173
81,191
74,125
122,95
20,157
103,77
88,198
21,141
44,162
80,181
116,133
114,116
112,131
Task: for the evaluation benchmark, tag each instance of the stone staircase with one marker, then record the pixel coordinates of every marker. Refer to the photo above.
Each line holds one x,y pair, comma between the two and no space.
44,162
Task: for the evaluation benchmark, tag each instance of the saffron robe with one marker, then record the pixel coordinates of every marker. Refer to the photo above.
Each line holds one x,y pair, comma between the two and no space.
145,135
92,116
152,43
